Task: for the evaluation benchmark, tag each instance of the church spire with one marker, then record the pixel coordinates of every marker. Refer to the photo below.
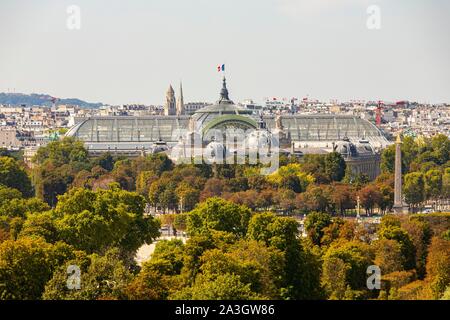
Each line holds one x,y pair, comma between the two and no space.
180,102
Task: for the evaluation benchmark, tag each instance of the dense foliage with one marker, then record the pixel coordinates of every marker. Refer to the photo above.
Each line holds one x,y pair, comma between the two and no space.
244,240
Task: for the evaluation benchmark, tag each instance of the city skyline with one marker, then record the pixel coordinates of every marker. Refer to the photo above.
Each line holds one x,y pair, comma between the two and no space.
124,55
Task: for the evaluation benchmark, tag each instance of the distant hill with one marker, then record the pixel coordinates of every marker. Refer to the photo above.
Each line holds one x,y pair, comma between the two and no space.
34,99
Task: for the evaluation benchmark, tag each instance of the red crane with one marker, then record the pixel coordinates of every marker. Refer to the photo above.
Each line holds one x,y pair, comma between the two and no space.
378,113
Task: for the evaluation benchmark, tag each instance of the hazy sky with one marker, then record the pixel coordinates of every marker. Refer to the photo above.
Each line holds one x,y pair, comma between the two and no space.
130,51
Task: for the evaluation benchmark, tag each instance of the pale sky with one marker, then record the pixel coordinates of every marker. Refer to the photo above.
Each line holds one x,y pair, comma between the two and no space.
130,51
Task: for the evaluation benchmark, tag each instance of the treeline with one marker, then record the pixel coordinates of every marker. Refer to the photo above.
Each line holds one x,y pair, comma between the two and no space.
314,183
73,210
231,253
425,168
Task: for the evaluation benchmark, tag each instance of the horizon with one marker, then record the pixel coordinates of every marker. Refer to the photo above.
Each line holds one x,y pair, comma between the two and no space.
130,54
311,99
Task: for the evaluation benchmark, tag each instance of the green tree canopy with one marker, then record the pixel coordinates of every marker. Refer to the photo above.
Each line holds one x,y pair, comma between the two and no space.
355,257
94,221
12,175
218,214
61,152
335,166
101,277
414,188
26,265
224,287
315,224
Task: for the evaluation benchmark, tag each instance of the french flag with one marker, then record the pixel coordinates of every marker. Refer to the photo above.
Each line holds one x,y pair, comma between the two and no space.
221,68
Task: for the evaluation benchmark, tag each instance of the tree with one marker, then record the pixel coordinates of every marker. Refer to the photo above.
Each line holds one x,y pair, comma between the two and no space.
7,194
420,233
188,195
14,176
388,159
315,224
213,188
332,232
94,221
247,198
27,264
446,183
441,148
149,285
414,188
393,232
279,232
334,277
167,258
194,249
356,257
261,269
259,265
388,256
302,267
446,295
335,166
287,200
168,198
291,177
386,199
40,225
218,214
224,287
65,151
394,281
144,181
343,198
369,196
409,149
106,161
317,198
433,184
314,164
124,174
101,277
52,180
180,221
22,207
438,266
158,163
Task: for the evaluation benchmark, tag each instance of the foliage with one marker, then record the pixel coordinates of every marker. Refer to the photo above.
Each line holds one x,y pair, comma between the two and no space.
291,177
224,287
315,224
388,256
356,256
65,151
438,266
94,221
27,264
102,277
391,232
12,175
218,214
414,188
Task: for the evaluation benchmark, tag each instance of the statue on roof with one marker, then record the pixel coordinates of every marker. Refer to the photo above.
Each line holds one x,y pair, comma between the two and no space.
224,91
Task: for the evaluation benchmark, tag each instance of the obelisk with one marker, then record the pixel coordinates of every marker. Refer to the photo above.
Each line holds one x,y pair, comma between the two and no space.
398,199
